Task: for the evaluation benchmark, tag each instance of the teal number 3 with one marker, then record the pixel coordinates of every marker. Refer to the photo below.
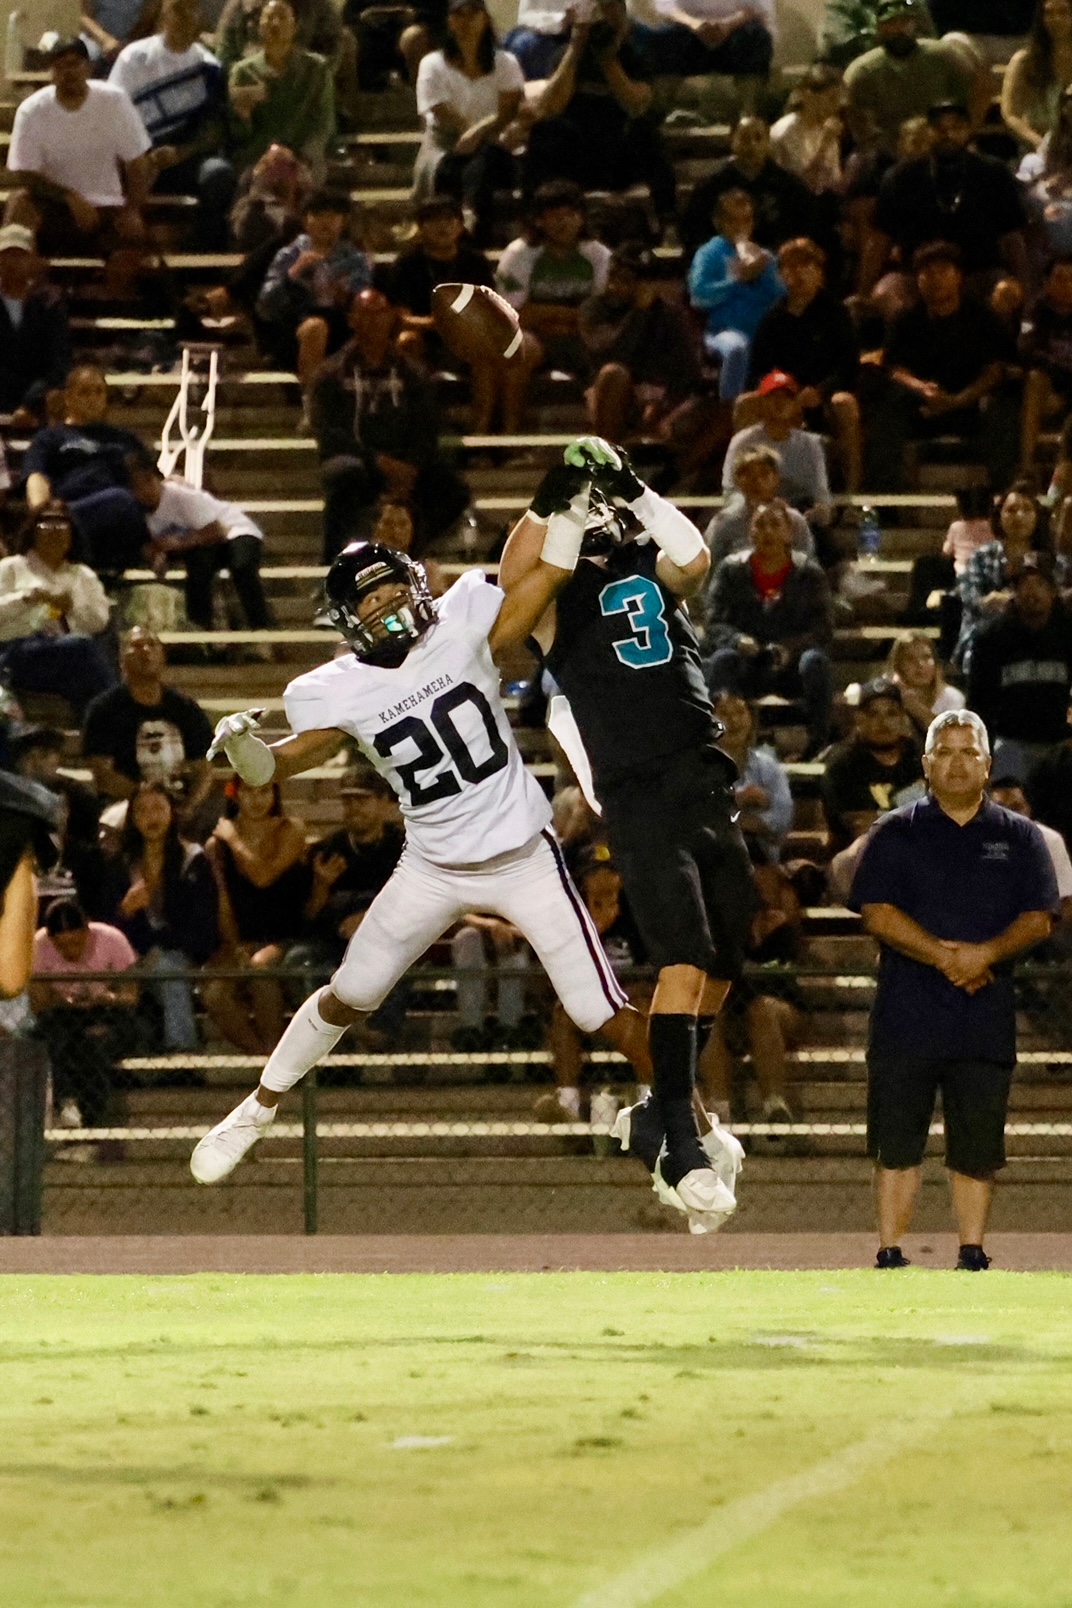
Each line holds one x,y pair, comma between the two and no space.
642,601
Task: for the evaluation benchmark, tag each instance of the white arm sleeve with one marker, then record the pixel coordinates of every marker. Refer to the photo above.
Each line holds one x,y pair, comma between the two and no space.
668,527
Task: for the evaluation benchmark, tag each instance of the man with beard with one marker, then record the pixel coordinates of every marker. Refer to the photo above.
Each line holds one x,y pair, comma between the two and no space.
952,194
784,207
902,77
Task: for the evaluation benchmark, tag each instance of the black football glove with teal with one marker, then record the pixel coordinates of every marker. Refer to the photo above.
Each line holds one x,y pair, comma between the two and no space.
608,466
558,488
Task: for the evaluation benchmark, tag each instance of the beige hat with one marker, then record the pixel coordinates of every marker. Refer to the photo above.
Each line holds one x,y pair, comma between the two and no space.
15,237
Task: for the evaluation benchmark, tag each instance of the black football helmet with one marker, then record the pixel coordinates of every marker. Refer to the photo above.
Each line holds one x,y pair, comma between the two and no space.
606,526
386,633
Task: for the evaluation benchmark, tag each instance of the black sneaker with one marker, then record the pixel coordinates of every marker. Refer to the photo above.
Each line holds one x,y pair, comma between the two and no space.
892,1256
972,1259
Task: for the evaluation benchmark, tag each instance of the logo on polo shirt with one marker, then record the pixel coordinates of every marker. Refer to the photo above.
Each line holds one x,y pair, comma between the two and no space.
996,851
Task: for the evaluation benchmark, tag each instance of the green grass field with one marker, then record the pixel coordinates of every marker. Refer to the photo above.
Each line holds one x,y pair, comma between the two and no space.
817,1440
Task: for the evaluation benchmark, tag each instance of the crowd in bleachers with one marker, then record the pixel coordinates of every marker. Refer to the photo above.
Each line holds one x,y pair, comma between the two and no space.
863,280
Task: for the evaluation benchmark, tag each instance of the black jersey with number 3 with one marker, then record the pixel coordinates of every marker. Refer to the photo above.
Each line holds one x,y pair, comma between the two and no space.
627,658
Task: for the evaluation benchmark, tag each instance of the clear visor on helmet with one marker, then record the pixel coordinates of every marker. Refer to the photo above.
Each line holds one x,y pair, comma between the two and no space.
383,617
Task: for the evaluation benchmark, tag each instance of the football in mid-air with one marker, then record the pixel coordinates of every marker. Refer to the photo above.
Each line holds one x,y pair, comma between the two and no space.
476,324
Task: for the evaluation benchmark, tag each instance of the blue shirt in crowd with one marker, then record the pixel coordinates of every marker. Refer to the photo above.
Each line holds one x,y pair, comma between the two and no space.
965,883
731,303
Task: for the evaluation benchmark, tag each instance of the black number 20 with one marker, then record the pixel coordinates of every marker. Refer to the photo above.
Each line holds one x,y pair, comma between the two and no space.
430,753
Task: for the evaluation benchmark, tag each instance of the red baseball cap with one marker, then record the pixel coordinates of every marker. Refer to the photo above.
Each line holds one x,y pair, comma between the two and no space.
778,380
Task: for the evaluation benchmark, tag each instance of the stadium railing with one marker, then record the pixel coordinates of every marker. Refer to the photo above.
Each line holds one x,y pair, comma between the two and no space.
1046,1068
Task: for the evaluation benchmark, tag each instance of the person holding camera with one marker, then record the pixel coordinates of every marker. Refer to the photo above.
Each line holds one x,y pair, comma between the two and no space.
592,118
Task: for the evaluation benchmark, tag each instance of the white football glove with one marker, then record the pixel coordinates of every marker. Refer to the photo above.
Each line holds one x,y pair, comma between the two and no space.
249,756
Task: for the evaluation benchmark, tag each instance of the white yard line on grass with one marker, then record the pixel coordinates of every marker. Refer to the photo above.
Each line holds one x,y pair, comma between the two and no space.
664,1568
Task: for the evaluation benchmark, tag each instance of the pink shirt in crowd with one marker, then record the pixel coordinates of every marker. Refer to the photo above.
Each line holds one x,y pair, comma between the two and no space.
107,950
963,538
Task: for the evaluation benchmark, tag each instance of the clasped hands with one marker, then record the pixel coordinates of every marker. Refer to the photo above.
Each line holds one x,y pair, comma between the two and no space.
967,966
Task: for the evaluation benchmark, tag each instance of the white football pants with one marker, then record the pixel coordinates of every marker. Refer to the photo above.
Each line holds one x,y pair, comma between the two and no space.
529,887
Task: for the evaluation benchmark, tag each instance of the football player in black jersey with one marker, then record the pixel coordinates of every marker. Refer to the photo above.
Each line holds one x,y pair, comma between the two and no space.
620,646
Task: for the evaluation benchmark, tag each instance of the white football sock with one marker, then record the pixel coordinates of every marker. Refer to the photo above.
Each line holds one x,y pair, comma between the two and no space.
570,1100
306,1041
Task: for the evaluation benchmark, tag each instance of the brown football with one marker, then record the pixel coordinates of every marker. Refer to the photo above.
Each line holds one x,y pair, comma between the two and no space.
476,324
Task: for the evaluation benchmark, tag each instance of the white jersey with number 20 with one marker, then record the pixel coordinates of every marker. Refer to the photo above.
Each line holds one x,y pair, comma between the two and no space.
436,729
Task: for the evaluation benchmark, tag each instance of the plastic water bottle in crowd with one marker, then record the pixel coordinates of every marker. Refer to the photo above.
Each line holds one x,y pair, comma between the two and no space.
869,542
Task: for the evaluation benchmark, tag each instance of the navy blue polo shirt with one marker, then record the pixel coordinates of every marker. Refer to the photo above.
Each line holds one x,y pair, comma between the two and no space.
966,883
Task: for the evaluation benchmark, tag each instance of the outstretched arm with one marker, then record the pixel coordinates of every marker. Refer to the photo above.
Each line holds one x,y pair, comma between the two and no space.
684,559
257,763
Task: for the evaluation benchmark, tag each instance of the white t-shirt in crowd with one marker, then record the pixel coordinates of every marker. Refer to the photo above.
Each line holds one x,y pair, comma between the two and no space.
167,87
80,150
795,145
530,273
436,728
538,16
440,83
184,508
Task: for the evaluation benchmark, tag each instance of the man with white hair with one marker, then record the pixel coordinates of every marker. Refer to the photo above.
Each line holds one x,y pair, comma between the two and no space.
954,888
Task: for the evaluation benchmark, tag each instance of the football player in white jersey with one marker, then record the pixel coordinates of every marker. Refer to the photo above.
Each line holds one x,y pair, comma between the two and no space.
420,693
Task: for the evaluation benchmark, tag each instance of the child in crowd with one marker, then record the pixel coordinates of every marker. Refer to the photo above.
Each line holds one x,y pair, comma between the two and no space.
914,667
757,478
546,276
971,529
307,291
734,282
601,889
208,535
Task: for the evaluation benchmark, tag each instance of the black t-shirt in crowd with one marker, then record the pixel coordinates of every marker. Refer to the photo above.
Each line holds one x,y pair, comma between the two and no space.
784,206
146,742
817,346
368,867
857,781
1046,343
80,459
410,281
1049,790
970,201
952,351
1020,679
966,884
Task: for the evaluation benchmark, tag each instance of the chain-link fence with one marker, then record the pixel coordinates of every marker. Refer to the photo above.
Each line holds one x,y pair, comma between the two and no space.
407,1127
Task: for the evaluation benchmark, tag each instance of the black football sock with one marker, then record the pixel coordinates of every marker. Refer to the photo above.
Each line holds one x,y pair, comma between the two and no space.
673,1054
705,1026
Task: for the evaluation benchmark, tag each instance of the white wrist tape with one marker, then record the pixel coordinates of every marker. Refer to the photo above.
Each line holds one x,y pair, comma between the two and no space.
250,758
668,527
565,533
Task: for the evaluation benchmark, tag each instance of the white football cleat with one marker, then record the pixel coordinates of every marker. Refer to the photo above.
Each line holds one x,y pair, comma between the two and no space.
223,1147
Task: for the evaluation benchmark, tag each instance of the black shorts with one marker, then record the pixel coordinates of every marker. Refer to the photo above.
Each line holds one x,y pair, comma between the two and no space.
901,1095
684,864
